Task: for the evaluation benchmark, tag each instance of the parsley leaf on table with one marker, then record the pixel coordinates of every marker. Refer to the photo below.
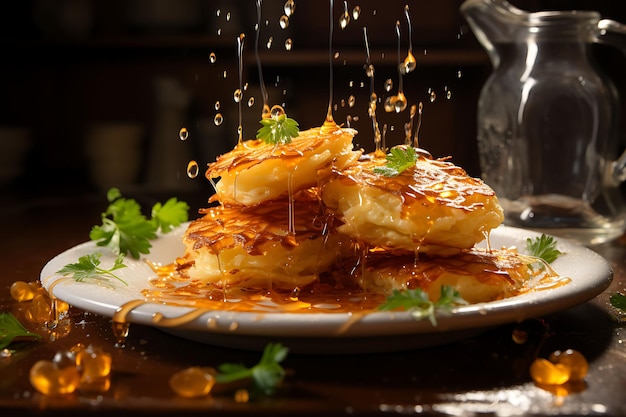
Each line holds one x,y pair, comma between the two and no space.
418,303
618,301
11,329
399,159
126,229
88,267
277,130
543,247
266,375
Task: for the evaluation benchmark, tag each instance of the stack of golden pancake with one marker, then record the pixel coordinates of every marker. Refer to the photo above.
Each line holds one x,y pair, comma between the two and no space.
315,210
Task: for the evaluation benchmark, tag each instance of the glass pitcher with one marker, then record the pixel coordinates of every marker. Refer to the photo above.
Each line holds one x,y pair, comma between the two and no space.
548,121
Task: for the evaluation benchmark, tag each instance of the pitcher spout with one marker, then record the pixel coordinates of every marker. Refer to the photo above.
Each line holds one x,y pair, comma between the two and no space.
493,21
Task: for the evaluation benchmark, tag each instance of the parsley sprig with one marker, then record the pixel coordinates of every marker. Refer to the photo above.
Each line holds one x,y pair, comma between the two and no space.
543,247
266,375
88,267
618,301
399,159
125,229
278,130
418,303
12,330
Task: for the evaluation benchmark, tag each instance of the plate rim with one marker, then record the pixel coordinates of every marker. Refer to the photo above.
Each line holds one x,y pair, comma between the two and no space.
341,325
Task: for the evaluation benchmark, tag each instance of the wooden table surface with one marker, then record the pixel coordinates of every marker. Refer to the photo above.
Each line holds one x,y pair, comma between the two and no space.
485,374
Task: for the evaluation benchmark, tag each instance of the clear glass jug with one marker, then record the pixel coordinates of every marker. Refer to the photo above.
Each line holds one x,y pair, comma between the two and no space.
548,121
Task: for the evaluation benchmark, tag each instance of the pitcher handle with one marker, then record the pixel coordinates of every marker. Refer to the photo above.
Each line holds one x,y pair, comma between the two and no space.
613,33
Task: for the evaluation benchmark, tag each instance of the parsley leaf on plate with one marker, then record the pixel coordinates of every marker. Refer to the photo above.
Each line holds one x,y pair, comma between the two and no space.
169,215
418,303
543,247
126,229
399,159
88,267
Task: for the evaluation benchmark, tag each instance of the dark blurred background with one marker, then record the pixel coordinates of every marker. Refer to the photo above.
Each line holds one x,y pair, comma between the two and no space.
94,93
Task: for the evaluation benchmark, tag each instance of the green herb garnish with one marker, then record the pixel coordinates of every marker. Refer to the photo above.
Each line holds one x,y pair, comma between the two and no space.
266,375
543,247
618,301
12,330
417,302
277,130
399,159
88,267
125,229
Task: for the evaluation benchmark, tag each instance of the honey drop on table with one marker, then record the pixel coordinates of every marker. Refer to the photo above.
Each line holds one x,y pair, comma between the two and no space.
573,360
545,372
192,382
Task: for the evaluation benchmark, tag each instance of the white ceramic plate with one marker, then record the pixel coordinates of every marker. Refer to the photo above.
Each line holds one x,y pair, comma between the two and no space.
324,332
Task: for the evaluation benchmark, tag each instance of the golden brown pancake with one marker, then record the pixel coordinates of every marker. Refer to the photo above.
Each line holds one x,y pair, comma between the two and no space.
256,246
479,275
255,171
432,207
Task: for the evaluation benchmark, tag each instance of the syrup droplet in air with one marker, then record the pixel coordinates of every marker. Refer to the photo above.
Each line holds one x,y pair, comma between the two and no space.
390,104
192,169
400,102
218,119
345,17
276,111
288,44
120,331
289,8
183,133
237,95
284,22
356,12
212,57
409,63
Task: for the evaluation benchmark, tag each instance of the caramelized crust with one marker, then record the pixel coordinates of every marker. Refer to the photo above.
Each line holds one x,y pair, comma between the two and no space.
255,171
260,246
225,227
479,275
431,207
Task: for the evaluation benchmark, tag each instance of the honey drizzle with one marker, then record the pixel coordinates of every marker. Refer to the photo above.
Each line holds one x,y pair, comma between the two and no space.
122,312
54,301
329,112
163,321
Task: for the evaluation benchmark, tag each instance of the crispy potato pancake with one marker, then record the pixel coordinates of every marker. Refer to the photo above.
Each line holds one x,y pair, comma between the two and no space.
432,207
255,171
254,246
479,275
